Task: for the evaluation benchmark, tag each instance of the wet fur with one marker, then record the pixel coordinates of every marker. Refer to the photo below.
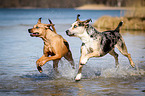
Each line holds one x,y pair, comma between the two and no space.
55,46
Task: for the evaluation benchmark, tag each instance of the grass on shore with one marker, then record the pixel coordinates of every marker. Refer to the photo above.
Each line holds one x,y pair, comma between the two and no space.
108,22
134,19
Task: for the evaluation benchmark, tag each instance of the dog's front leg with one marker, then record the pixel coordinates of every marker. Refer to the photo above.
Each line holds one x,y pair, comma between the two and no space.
79,74
40,59
85,58
38,63
46,59
81,63
83,53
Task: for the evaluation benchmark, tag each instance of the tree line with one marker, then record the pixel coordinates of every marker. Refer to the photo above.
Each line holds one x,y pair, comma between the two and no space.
65,3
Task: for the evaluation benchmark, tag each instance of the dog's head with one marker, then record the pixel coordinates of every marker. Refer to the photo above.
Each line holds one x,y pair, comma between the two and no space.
39,29
78,27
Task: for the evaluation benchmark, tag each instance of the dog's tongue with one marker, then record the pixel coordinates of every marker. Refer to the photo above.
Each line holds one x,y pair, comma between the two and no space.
33,34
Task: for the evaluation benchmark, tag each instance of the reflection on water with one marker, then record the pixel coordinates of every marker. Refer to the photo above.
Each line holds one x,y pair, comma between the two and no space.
19,76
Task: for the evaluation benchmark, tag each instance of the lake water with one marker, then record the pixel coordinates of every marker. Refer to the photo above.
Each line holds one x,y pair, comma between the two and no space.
19,52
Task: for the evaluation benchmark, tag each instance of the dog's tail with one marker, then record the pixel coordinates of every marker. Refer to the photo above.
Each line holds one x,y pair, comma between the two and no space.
119,25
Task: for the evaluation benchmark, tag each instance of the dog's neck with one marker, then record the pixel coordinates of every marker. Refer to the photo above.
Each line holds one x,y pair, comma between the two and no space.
84,37
89,34
91,31
47,36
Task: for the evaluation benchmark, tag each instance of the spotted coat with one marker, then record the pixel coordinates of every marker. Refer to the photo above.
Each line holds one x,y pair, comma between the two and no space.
107,39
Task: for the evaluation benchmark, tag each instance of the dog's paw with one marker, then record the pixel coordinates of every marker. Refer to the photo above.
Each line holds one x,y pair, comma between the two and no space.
84,61
40,63
78,77
39,69
132,64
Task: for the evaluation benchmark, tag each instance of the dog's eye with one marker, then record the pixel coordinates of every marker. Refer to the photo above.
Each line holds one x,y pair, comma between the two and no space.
37,27
75,26
80,24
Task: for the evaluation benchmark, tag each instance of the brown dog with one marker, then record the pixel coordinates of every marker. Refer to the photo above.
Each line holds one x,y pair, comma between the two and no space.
55,46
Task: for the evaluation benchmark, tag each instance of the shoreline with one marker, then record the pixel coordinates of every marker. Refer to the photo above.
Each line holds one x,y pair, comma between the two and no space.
99,7
83,7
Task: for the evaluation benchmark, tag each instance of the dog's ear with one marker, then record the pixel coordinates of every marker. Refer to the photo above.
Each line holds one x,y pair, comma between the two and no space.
39,20
52,26
78,17
48,26
50,21
87,21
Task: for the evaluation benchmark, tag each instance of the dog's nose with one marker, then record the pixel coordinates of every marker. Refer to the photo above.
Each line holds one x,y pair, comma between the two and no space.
67,31
29,30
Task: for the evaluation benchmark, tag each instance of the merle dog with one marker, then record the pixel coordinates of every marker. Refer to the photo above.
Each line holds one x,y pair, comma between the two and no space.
97,44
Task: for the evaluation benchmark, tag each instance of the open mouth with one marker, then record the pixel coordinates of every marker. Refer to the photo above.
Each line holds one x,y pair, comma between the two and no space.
69,34
34,34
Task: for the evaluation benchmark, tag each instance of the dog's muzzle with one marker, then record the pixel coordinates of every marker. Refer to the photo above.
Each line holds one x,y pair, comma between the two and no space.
69,33
29,30
33,34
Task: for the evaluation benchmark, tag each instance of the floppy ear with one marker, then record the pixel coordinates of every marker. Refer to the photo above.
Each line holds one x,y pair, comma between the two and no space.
78,17
39,20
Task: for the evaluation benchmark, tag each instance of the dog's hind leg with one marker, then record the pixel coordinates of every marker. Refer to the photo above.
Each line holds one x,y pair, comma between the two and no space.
123,49
69,57
115,55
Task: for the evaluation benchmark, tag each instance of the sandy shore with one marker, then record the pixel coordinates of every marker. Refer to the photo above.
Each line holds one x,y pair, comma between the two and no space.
99,7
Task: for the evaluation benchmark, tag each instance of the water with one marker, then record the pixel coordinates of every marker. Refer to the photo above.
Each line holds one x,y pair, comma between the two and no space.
19,52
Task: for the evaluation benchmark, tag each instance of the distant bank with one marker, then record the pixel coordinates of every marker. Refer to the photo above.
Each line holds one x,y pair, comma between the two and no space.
99,7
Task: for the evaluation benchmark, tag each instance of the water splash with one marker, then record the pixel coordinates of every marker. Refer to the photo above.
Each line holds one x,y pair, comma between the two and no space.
92,72
123,71
66,70
89,71
107,72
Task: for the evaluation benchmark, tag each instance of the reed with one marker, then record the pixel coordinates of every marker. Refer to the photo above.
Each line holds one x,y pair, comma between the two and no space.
134,18
108,22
